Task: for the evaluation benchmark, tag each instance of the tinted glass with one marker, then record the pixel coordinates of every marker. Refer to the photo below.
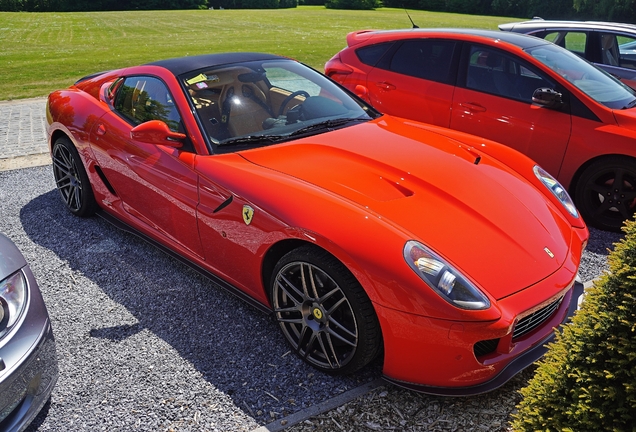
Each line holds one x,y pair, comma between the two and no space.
141,99
371,55
424,58
492,71
592,81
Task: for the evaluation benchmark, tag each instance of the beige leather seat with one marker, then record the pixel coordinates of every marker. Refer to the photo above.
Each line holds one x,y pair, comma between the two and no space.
245,106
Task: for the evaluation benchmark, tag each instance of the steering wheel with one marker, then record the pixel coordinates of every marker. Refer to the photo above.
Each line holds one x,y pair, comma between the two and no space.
289,98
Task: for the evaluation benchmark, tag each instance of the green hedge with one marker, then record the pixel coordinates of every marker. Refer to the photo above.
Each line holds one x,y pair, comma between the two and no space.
353,4
587,379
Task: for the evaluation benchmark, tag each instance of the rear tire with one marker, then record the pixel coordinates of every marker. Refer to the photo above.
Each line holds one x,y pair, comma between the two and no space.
71,179
324,312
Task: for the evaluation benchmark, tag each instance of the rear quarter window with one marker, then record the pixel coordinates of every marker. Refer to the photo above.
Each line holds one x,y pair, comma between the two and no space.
371,55
428,59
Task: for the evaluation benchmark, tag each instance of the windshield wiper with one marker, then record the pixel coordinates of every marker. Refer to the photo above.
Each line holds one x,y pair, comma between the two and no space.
251,139
327,125
632,104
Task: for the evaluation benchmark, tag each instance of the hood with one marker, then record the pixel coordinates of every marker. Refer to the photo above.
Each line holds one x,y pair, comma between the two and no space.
486,219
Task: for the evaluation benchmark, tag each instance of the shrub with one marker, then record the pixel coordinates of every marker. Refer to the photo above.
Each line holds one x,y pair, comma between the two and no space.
587,379
353,4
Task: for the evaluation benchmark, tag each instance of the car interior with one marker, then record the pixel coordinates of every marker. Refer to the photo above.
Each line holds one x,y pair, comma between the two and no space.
238,101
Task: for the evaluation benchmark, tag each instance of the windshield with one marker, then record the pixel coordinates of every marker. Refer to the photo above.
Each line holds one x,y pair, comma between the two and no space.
594,82
244,105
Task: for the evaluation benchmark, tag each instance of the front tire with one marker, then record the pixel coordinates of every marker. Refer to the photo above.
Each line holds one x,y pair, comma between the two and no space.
71,179
324,312
606,193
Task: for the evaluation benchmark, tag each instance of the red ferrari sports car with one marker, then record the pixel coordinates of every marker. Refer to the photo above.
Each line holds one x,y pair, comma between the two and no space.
452,256
576,121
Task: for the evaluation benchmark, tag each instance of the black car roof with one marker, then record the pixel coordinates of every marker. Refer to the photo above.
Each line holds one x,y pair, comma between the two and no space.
520,40
182,65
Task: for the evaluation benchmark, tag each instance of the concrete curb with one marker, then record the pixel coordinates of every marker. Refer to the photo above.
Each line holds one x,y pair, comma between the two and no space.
25,161
320,408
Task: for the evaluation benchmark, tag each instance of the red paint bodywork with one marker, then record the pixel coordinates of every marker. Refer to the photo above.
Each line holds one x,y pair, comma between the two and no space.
360,192
561,143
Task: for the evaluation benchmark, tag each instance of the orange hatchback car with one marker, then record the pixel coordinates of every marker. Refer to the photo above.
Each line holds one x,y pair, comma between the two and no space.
577,121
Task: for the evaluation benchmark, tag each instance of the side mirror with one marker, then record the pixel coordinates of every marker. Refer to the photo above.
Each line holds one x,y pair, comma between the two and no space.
157,132
547,97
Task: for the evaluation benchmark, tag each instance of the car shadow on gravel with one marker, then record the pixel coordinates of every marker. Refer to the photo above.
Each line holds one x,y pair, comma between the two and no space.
237,349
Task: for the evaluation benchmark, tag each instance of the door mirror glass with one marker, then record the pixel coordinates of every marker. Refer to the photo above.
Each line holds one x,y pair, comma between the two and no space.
547,97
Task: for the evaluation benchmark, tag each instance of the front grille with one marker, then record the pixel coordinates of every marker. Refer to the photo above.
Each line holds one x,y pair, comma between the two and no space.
535,319
485,347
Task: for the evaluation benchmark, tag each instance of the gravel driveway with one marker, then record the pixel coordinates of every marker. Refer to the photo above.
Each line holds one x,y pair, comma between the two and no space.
145,343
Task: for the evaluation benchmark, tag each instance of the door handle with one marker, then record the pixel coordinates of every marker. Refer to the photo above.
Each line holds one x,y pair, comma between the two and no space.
385,85
101,130
472,106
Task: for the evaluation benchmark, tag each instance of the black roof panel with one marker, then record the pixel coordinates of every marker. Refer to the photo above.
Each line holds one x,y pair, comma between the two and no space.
182,65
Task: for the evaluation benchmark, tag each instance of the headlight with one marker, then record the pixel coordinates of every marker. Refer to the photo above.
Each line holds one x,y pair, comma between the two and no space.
443,278
556,189
12,301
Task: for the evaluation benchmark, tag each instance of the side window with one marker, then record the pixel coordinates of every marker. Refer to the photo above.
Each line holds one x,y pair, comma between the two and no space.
609,49
141,99
626,51
492,71
424,58
572,41
371,55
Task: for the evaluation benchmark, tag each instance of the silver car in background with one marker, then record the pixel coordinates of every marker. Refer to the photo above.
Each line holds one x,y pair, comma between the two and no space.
610,46
28,362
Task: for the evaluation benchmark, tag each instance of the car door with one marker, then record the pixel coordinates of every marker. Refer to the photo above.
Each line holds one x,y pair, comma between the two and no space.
156,184
493,99
416,80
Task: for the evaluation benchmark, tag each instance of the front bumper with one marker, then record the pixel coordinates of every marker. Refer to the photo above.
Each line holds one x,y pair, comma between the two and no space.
500,372
28,364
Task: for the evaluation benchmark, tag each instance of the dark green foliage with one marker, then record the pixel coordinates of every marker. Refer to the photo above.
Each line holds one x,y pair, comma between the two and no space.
601,10
114,5
284,4
97,5
353,4
614,10
259,4
587,379
253,4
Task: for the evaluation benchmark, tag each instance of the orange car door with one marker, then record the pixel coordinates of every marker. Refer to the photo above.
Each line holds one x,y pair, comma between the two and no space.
156,183
493,99
416,80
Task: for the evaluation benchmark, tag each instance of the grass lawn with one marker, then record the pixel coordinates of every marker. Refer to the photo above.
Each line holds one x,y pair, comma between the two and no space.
42,52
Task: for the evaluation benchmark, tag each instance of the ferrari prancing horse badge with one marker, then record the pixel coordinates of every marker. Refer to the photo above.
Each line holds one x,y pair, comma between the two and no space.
248,214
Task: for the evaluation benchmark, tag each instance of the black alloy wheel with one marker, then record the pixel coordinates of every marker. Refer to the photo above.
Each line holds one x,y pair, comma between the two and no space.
71,179
606,193
324,312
